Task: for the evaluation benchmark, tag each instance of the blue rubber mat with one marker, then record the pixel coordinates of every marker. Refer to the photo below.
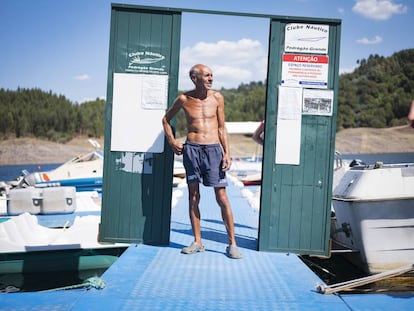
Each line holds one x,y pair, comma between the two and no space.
161,278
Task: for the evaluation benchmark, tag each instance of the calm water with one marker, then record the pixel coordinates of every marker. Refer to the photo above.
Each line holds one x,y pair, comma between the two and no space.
11,172
386,158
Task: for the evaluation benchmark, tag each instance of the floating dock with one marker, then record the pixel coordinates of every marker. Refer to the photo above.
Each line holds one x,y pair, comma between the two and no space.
161,278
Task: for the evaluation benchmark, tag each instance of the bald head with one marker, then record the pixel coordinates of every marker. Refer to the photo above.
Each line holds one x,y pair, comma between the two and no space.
196,70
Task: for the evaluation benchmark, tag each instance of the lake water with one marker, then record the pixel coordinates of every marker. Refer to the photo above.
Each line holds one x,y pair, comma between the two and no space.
11,172
386,158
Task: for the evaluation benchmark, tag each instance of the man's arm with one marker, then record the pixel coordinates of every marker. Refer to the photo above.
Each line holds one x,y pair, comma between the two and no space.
258,135
177,105
222,132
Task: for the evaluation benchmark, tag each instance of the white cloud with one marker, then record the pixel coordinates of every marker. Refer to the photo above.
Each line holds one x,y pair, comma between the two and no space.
82,77
232,62
378,9
375,40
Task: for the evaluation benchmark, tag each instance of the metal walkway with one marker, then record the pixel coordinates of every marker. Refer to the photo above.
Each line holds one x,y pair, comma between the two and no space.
161,278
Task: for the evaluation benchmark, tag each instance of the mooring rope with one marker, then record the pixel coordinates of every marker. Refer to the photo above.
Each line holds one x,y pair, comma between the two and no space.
93,282
10,289
330,289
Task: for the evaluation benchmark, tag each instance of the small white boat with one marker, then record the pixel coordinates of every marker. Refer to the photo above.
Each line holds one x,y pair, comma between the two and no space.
84,172
374,215
248,170
26,246
179,170
253,179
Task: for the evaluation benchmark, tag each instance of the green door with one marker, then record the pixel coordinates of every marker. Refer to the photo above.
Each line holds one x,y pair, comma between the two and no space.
299,136
142,80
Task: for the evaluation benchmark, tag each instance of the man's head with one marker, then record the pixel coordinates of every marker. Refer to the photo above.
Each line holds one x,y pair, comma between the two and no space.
202,76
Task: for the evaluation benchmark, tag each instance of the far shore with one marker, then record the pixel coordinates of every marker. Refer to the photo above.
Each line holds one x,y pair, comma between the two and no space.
399,139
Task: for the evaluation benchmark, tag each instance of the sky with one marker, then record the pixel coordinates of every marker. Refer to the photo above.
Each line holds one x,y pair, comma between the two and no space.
62,46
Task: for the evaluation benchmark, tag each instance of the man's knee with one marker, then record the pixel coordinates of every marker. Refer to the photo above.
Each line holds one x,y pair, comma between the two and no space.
221,196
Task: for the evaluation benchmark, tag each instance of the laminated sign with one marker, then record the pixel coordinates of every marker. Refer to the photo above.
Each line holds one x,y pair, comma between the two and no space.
306,38
305,70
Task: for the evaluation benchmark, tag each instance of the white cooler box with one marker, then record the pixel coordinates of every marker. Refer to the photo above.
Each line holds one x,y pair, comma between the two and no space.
58,200
24,200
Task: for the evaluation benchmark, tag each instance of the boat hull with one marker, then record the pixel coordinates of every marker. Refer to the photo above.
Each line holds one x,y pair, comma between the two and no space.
81,184
382,232
374,215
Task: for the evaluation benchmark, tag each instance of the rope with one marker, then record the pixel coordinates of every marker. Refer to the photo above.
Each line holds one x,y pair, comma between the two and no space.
10,289
330,289
93,282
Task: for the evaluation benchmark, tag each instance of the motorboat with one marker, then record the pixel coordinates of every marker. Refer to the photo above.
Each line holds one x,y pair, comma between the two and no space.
84,172
252,179
248,170
374,215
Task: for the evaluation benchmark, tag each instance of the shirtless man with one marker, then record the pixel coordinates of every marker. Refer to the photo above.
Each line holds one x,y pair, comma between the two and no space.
206,153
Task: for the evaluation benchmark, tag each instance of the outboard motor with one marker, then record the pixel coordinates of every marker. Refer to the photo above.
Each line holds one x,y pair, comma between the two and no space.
29,179
356,162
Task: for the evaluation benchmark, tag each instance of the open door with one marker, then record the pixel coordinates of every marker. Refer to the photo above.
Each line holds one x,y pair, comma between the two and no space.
142,80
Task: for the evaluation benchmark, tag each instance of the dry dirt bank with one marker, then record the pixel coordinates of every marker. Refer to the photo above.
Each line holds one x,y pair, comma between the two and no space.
359,140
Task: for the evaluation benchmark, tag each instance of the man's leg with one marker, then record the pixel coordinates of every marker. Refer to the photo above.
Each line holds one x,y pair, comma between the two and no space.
194,210
226,212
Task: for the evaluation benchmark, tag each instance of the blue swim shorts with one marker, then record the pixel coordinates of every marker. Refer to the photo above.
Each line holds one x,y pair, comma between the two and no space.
203,164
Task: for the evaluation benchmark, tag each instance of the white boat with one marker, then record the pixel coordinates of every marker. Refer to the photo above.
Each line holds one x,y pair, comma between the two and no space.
84,172
248,170
27,247
374,215
179,170
38,242
252,179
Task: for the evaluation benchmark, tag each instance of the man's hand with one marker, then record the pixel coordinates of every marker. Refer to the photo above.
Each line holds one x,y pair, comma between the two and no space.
226,163
177,148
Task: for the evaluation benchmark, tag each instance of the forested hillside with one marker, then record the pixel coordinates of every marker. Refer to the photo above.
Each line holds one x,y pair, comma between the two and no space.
376,94
35,113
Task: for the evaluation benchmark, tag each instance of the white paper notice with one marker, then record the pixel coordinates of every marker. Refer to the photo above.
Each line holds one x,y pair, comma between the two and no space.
136,128
290,103
289,126
154,91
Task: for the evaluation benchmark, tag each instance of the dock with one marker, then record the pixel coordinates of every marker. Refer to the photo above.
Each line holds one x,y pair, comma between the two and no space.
161,278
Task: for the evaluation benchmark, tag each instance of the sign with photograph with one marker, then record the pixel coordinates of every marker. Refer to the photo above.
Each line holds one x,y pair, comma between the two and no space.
317,102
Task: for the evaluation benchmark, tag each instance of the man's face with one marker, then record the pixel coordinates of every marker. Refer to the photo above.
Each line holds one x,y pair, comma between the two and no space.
205,78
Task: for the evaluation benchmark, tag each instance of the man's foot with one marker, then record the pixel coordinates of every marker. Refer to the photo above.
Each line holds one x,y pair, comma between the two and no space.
193,248
233,252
